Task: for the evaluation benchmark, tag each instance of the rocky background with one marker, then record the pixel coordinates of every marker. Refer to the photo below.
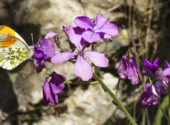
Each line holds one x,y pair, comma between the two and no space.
144,28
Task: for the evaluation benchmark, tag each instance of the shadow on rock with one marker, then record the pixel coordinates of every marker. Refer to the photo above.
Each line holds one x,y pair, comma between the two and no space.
8,99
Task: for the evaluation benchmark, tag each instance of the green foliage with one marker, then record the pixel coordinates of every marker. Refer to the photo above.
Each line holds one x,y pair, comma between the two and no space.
162,107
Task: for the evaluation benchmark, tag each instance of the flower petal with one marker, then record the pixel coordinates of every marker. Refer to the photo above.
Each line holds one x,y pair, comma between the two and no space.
156,61
148,97
160,88
74,35
60,58
100,21
166,64
109,37
132,72
90,36
146,71
84,22
57,83
46,91
83,69
123,68
39,65
47,47
166,72
109,29
153,67
50,34
98,59
149,68
53,100
39,59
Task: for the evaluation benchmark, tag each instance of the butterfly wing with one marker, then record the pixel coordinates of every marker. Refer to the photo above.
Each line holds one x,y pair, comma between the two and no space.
13,51
10,31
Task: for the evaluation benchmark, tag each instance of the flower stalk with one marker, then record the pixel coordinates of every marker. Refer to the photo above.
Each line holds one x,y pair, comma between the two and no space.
169,106
104,86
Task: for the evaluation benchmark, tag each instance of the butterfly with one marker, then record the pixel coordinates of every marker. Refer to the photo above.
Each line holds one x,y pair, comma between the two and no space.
13,48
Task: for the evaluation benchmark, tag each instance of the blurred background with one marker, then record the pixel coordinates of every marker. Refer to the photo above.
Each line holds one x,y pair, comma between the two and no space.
144,28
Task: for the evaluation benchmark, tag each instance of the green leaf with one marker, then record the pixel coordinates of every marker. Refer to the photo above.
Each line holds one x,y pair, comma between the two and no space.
163,106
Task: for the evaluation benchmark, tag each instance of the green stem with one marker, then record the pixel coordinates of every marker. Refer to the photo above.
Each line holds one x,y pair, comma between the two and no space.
70,82
115,99
117,87
169,105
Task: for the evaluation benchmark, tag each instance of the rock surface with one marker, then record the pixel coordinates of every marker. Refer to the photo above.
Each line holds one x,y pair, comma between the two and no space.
86,107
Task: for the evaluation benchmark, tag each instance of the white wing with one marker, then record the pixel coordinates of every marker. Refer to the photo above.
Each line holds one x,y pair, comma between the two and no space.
13,51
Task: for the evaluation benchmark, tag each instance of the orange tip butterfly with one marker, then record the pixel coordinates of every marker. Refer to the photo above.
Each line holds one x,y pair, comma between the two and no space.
13,48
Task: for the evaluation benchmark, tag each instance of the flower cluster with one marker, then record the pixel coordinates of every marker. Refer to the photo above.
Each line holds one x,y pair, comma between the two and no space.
159,81
45,52
128,69
82,33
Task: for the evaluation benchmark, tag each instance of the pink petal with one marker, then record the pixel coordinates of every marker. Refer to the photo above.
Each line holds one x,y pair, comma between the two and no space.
47,47
122,69
100,21
132,72
46,91
166,72
98,59
60,58
53,100
74,37
83,69
90,36
109,29
84,22
50,34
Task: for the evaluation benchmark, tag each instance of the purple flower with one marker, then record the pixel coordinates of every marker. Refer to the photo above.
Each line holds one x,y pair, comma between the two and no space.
82,68
149,68
74,35
52,88
128,69
160,88
149,96
44,52
39,59
100,29
166,71
122,70
164,75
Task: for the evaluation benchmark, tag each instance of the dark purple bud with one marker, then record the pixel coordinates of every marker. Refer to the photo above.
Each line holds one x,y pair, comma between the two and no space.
52,88
149,68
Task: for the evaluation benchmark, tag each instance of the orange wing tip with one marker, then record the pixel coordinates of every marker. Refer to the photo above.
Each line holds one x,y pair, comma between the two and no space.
8,41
